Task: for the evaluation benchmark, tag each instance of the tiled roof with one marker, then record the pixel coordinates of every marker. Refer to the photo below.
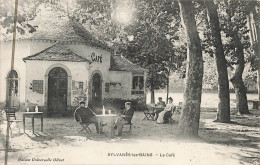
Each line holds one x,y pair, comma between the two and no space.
51,25
120,63
68,31
88,38
57,52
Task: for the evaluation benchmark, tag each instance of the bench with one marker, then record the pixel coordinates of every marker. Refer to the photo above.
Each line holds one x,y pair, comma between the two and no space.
255,103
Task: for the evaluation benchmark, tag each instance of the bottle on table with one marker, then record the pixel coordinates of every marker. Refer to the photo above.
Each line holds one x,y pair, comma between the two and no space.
103,110
36,108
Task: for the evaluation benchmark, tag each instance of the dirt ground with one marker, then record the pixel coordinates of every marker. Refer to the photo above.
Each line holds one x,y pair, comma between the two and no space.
234,143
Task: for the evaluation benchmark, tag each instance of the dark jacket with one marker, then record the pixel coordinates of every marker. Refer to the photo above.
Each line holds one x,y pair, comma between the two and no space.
128,114
84,113
161,104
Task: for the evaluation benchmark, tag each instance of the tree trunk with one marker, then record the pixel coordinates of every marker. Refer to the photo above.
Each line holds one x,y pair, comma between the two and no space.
254,39
152,91
237,81
152,96
258,81
167,90
190,115
223,111
257,52
241,99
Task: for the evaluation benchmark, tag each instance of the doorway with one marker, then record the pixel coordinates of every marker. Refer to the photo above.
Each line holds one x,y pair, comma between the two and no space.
96,89
12,89
57,91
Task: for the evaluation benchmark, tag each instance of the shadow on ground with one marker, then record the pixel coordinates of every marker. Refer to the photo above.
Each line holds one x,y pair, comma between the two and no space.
242,132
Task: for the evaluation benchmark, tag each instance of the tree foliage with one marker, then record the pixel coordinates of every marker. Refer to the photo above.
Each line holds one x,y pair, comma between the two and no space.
27,11
238,24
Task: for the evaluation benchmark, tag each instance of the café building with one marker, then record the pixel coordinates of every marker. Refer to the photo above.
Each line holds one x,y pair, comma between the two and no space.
57,67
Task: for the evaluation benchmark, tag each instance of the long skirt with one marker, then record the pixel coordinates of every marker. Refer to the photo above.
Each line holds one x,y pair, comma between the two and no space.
160,117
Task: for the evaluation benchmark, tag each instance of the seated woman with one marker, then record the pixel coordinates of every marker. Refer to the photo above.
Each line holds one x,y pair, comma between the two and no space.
168,107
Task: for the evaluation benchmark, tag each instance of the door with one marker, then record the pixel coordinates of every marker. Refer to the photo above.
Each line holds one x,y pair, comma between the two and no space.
57,91
96,89
13,89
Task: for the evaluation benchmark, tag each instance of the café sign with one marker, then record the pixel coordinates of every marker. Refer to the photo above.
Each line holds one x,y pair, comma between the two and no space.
96,58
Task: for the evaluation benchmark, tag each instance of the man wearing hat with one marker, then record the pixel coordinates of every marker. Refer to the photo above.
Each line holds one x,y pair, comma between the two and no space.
125,117
87,115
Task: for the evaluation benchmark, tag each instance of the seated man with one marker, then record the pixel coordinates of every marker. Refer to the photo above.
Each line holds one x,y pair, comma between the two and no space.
160,104
168,108
87,115
125,117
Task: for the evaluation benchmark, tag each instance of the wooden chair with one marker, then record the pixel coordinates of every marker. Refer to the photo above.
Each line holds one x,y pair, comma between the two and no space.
168,116
130,126
148,115
178,108
84,124
11,118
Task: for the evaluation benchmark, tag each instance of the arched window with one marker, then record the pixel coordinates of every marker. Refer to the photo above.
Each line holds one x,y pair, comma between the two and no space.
13,83
12,74
13,88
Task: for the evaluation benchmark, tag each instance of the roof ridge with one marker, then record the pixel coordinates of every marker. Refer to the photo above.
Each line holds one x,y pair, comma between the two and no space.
87,36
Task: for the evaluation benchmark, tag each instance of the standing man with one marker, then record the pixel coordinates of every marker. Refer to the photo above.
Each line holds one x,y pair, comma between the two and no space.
87,115
125,117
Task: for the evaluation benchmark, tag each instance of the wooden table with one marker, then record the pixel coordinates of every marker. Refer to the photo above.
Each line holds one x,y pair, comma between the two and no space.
32,115
111,117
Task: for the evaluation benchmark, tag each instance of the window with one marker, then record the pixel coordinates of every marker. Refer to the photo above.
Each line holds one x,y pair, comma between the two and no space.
13,89
138,85
107,87
13,81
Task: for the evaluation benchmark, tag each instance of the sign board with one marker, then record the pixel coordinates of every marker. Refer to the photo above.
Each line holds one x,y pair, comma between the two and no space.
37,86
